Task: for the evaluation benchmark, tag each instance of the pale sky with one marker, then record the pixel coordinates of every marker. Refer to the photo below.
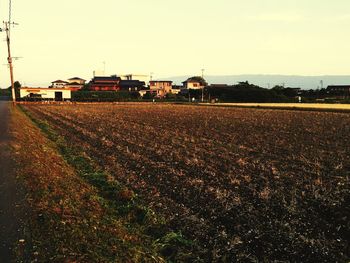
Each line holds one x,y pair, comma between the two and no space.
59,39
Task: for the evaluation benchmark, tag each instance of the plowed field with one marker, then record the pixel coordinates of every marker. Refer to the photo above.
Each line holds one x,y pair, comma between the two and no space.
244,184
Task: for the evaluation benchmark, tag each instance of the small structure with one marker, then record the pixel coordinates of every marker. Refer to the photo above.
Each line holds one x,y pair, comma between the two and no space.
75,84
105,83
58,84
55,94
160,88
176,89
144,92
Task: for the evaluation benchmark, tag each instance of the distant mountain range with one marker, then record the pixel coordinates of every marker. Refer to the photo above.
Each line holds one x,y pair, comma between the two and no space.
266,81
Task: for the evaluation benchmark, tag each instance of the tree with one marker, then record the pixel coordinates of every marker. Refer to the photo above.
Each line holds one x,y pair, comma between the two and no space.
5,92
17,85
278,88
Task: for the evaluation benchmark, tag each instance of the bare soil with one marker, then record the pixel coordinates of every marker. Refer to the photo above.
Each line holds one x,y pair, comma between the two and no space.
247,185
76,213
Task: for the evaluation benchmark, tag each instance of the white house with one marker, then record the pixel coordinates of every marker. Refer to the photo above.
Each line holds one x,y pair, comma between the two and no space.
56,94
76,80
194,83
58,84
75,84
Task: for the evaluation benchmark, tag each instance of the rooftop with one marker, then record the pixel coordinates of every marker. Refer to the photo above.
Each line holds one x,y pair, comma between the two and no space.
76,78
161,81
59,81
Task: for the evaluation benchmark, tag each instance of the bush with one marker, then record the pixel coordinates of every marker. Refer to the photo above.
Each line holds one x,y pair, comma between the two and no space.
245,92
104,96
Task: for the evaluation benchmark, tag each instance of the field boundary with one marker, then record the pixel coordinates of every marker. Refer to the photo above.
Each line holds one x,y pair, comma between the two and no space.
291,107
337,108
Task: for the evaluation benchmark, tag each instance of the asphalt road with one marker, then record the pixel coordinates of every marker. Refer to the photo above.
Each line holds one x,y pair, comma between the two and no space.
11,196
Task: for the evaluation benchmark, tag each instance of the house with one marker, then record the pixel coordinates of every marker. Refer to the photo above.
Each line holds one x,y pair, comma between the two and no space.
111,83
160,88
75,83
340,90
56,94
195,83
76,80
58,84
132,85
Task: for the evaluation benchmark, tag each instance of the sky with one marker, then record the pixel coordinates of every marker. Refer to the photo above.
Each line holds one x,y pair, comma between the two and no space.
61,39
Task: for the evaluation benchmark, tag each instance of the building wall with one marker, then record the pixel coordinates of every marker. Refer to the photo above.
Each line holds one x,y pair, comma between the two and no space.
46,93
161,87
176,91
74,87
101,87
59,85
80,81
193,85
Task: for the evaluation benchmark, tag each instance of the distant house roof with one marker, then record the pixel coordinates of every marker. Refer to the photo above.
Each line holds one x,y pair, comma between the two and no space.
168,81
59,81
338,87
112,78
38,88
191,81
76,78
74,83
131,83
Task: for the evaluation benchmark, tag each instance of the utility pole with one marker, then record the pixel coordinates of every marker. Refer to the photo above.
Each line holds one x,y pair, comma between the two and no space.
9,58
203,86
